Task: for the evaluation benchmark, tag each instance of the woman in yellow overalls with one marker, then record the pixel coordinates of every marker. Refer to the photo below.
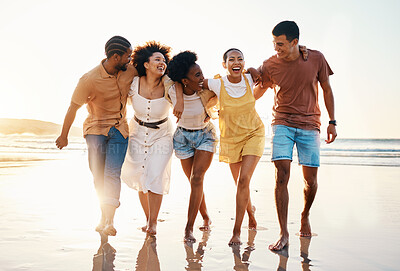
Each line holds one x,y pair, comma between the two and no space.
242,132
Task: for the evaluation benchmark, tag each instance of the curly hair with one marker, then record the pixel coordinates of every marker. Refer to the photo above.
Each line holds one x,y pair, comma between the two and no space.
141,54
180,65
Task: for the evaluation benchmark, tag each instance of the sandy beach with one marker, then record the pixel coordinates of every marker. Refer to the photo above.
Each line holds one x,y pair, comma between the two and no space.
49,210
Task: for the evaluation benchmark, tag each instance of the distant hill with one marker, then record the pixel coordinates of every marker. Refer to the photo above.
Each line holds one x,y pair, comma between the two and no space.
37,127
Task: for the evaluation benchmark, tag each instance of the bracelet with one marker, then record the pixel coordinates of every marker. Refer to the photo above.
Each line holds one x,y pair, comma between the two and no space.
332,122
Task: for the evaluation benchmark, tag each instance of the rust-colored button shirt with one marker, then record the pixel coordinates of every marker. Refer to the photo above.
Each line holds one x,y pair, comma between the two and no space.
105,96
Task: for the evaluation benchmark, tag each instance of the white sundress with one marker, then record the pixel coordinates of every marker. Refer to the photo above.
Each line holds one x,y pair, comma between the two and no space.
147,165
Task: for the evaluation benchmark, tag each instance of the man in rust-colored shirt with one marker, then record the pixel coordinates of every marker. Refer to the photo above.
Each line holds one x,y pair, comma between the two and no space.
104,89
296,118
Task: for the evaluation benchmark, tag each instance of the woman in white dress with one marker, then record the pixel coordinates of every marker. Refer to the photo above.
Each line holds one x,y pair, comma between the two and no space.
147,166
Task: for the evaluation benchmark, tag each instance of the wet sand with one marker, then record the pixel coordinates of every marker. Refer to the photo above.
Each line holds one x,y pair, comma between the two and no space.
49,210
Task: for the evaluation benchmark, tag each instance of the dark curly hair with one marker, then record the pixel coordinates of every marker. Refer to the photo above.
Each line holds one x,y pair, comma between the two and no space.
180,65
141,54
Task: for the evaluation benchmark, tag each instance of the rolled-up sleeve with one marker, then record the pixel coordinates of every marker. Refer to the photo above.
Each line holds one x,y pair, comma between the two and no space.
82,91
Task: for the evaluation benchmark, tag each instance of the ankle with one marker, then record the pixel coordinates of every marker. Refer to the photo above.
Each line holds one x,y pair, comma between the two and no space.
189,228
284,234
305,215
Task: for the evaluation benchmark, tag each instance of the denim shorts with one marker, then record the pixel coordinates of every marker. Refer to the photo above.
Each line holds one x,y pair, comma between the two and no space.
186,142
307,144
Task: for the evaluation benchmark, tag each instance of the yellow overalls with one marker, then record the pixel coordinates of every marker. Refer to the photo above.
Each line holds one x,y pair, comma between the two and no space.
241,128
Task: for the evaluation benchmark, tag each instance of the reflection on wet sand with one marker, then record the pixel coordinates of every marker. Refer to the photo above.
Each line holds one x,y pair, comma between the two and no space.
147,258
284,255
283,258
242,261
195,260
103,260
304,247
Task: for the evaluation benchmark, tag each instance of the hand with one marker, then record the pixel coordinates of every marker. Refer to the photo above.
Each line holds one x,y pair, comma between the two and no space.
61,142
207,119
178,109
256,75
331,130
304,52
258,80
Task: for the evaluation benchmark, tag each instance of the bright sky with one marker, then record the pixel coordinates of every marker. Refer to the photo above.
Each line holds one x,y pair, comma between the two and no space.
48,45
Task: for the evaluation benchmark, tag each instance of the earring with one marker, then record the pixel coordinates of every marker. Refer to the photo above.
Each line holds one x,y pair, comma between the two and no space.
185,85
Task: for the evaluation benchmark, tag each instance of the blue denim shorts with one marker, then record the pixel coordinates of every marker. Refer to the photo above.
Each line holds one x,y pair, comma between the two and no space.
186,142
307,144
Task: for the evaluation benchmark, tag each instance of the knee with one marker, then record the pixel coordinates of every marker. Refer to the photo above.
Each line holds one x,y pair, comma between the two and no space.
243,182
311,182
282,175
196,179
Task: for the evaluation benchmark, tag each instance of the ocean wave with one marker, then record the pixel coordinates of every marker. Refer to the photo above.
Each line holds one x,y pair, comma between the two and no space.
368,152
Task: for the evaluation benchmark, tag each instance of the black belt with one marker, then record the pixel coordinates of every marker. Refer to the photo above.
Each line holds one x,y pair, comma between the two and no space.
153,125
189,130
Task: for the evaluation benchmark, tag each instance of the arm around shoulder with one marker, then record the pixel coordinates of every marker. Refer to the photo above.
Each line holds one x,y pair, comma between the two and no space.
132,71
179,106
207,95
259,90
264,82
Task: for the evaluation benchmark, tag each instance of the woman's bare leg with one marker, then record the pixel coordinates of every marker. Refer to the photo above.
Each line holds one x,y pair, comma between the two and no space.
249,163
235,170
144,201
201,162
187,166
154,208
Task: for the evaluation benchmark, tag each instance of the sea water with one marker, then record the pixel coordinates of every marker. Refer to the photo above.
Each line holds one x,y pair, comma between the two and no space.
361,152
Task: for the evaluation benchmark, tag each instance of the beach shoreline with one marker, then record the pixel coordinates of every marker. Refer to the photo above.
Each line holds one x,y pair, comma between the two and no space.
49,210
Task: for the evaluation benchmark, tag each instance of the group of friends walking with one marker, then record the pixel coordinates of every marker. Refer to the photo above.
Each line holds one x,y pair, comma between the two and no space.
140,153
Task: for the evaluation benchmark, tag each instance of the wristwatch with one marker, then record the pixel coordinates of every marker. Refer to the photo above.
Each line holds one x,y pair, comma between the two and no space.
332,122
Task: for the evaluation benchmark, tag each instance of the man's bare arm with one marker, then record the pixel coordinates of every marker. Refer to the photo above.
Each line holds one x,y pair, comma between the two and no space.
330,107
264,83
62,140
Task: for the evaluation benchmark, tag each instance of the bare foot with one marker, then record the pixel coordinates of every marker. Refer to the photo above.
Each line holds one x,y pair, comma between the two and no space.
206,225
282,242
235,240
189,237
109,230
144,228
152,229
252,219
305,228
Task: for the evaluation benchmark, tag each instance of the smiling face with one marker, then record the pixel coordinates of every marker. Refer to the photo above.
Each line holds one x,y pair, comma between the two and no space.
124,60
234,63
156,64
284,48
194,79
